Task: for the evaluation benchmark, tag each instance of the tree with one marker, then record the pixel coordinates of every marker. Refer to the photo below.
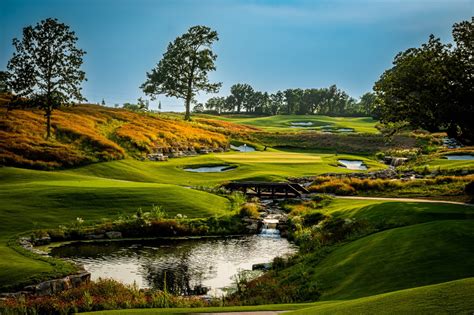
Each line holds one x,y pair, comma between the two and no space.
432,87
416,88
461,79
183,70
216,103
368,105
241,94
3,81
45,68
103,102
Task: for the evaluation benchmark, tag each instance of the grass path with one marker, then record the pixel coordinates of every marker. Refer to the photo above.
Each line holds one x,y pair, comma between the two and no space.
406,200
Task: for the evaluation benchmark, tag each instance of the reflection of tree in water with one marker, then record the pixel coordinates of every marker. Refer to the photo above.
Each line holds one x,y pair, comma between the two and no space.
175,275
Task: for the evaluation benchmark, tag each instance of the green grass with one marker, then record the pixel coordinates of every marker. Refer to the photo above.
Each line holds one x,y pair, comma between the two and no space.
447,165
454,297
396,213
282,123
37,199
164,311
391,260
33,199
267,166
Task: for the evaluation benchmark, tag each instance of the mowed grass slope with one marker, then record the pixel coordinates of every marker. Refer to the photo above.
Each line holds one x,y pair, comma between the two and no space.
266,166
38,199
453,297
391,260
380,213
283,122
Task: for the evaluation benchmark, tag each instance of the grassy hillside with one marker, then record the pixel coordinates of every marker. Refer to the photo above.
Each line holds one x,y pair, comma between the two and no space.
454,297
394,259
90,133
38,199
268,165
284,122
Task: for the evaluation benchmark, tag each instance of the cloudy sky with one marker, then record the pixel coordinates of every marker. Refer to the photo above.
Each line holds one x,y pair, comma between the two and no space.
271,45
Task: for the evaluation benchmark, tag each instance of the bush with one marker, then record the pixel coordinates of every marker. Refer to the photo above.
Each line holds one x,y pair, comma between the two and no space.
250,210
333,187
313,218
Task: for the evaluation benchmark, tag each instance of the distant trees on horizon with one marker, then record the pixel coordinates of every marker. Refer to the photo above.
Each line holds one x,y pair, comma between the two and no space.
330,101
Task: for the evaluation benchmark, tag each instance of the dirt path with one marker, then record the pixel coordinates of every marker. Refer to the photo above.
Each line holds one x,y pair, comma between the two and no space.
406,200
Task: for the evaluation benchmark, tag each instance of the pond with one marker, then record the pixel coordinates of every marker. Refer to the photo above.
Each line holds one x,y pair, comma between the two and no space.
188,265
210,169
298,124
460,157
353,164
335,129
242,148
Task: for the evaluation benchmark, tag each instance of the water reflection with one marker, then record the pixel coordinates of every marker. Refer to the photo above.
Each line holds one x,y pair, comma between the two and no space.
185,266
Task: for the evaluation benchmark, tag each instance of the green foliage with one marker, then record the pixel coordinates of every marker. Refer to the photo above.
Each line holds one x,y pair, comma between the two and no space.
45,67
104,294
183,70
249,210
430,87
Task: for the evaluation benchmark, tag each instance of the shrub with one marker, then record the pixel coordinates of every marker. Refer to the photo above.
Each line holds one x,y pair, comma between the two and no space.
250,210
333,187
313,218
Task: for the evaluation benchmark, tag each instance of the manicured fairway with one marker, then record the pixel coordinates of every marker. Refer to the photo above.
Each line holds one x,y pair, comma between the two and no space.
398,213
283,122
266,165
447,165
454,297
36,199
390,260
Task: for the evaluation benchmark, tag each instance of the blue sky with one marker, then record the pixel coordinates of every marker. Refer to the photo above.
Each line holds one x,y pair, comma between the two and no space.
269,44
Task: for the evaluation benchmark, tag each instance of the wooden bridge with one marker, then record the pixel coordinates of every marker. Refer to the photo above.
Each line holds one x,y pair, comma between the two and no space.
268,189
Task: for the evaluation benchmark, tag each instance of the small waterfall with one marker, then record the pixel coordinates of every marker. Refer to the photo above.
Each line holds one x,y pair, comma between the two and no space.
269,228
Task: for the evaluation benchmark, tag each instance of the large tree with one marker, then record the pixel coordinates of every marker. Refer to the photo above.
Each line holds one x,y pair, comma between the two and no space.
45,68
183,70
241,96
432,87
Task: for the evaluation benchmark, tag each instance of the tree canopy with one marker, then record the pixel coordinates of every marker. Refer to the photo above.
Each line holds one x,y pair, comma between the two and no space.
432,86
45,68
183,70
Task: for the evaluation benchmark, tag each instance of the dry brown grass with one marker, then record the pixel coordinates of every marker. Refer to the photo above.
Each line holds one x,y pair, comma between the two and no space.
89,133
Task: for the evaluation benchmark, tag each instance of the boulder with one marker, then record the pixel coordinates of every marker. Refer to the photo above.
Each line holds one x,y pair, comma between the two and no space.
94,236
78,279
262,266
113,234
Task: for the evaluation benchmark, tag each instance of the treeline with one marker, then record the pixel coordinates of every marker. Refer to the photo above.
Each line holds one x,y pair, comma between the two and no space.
330,101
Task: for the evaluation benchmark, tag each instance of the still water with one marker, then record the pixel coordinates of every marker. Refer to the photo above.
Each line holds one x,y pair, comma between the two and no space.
354,165
188,265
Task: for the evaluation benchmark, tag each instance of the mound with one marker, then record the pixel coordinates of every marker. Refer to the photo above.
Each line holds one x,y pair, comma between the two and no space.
392,260
454,297
89,133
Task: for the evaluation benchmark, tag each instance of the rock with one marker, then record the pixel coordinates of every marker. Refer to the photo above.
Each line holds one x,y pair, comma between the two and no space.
262,266
113,234
78,279
94,236
42,241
